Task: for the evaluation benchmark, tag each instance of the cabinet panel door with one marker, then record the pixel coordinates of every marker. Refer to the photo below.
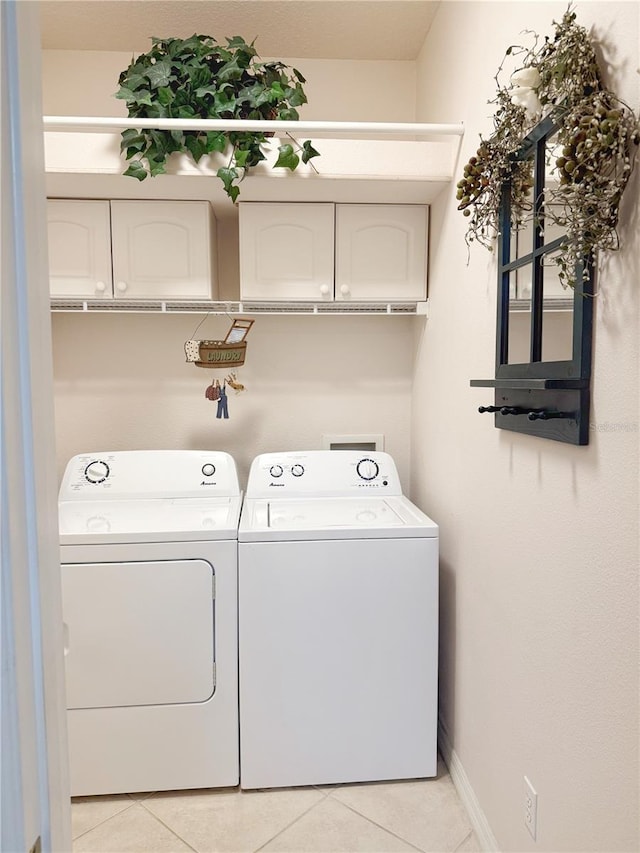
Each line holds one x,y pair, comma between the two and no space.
286,251
161,249
381,252
79,248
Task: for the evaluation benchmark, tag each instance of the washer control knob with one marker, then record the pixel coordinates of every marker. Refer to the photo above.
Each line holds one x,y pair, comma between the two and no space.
208,469
276,470
367,469
96,471
297,470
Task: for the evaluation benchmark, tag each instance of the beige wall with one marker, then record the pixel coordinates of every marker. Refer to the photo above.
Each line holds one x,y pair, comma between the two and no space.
121,381
82,82
539,571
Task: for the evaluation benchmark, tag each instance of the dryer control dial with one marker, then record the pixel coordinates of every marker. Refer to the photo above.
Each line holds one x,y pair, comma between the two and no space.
297,470
367,469
96,471
276,470
208,469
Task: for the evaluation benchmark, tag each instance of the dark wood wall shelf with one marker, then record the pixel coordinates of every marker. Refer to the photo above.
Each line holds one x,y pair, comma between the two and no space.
548,399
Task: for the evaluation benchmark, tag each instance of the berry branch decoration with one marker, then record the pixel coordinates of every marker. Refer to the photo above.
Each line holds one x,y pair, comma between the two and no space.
589,165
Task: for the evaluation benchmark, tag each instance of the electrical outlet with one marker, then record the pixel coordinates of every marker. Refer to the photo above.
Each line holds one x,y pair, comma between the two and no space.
530,808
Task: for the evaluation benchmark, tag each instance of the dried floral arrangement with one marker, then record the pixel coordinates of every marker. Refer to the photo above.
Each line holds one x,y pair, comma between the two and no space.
593,158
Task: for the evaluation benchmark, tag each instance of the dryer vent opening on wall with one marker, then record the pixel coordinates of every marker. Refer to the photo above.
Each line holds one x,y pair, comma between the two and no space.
353,442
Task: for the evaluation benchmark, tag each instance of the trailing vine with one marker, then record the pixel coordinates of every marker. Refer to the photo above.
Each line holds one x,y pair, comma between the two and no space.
197,78
590,165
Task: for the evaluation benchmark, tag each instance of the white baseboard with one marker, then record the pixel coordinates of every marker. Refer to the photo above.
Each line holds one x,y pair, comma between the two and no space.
466,793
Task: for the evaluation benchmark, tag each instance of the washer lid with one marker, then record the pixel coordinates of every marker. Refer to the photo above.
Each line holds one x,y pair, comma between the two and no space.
164,520
336,518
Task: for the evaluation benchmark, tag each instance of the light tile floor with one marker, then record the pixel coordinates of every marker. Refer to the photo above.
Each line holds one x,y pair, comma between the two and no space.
376,817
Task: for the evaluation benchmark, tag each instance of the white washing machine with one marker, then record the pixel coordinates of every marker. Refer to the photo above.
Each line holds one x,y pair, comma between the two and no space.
149,583
338,623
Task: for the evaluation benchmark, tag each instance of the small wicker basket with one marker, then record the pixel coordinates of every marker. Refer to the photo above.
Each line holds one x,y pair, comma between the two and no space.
227,353
215,353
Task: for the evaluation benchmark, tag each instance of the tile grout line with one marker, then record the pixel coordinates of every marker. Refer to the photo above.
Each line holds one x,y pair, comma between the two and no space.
466,838
379,825
115,814
289,825
148,795
166,826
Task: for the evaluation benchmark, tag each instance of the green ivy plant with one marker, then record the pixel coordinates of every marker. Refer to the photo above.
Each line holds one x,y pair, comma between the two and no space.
199,78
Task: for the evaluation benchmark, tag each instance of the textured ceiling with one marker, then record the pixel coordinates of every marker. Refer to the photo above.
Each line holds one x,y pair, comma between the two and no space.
314,29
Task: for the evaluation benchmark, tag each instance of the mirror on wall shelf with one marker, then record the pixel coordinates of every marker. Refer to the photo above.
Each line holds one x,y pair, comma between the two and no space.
544,330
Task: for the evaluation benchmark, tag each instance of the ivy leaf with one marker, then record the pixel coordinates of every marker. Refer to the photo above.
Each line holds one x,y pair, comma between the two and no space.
299,76
136,170
129,137
216,141
177,137
238,43
230,71
277,92
133,145
308,151
165,96
135,81
228,175
296,97
200,77
241,157
202,91
288,115
158,74
124,93
156,167
287,158
196,146
138,98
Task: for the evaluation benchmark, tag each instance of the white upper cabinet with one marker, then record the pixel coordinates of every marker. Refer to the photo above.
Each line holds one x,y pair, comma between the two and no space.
161,249
381,252
286,251
325,252
79,248
131,249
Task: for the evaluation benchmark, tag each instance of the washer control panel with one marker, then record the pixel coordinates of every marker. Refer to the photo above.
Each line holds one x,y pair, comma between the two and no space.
323,472
149,474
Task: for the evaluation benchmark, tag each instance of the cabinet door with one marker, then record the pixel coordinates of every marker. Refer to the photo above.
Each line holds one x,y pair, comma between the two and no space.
79,248
286,251
381,252
162,250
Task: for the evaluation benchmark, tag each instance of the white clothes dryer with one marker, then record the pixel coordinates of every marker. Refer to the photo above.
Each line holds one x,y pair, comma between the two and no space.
338,623
149,585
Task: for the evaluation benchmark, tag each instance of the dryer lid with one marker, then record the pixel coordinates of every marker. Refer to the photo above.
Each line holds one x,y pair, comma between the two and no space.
141,521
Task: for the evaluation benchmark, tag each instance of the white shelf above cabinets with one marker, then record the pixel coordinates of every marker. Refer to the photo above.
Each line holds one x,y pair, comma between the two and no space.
376,171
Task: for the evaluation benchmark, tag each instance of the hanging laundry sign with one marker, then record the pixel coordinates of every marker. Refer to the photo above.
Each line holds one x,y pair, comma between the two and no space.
229,352
221,354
